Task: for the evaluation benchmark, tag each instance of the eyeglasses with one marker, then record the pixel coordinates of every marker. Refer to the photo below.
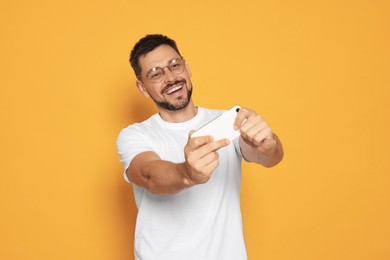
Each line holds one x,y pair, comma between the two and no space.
157,74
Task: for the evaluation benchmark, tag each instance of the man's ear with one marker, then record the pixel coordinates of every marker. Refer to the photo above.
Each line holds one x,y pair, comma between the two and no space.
142,89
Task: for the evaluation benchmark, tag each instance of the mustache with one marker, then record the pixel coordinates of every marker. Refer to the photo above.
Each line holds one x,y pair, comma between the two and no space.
168,86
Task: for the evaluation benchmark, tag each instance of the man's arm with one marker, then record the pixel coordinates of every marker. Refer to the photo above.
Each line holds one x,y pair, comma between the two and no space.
257,141
163,177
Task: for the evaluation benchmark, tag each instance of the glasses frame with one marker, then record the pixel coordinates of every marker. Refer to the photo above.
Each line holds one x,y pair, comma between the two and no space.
163,70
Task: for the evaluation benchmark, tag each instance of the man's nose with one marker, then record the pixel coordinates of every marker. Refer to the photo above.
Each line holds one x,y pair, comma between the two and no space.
169,75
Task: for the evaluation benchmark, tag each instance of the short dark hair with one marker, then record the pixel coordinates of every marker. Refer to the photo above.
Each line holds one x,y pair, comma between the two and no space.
146,45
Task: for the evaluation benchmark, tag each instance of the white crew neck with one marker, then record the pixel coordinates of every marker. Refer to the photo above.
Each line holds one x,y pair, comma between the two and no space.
189,124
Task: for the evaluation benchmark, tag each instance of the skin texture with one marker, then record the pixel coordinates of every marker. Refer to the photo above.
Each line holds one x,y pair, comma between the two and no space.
257,141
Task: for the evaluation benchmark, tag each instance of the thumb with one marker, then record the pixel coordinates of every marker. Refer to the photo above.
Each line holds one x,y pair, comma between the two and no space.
190,133
269,142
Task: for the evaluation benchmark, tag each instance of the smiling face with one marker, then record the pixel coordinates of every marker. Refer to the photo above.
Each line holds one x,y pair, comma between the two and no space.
174,91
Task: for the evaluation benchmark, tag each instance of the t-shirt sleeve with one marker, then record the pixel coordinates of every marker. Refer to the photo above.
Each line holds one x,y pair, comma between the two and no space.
131,142
237,147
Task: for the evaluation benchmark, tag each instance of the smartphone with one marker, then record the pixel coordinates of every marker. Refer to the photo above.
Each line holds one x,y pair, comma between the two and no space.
221,127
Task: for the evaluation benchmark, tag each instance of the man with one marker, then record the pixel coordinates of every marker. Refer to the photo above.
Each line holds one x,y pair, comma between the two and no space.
187,190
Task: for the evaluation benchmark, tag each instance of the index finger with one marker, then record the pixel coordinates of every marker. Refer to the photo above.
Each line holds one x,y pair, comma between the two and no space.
196,142
213,146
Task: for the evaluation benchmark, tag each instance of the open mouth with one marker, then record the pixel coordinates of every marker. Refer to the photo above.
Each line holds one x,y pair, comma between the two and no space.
173,89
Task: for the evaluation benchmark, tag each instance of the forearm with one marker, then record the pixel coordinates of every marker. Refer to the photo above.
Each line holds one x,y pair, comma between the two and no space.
165,177
160,177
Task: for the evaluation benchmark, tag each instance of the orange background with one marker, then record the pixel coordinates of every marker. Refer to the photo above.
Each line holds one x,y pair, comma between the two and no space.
318,71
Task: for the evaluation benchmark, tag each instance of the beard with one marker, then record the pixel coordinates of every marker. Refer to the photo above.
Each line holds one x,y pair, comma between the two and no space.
183,102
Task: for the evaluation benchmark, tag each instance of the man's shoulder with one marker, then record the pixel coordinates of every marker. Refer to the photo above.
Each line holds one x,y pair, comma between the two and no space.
143,124
137,128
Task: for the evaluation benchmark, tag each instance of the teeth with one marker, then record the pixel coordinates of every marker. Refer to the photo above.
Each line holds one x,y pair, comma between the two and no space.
174,89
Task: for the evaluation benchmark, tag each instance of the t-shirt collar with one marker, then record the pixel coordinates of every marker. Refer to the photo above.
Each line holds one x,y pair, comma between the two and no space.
189,124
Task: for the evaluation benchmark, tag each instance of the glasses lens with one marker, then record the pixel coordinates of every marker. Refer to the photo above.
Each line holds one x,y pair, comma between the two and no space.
156,74
176,66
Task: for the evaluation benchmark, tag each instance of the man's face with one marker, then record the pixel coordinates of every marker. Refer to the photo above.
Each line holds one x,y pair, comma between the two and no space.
174,91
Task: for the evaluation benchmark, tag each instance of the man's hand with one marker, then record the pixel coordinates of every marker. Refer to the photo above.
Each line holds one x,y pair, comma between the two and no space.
258,143
255,131
202,157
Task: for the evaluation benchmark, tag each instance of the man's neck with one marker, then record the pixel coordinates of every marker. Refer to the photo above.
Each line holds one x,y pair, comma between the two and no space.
179,116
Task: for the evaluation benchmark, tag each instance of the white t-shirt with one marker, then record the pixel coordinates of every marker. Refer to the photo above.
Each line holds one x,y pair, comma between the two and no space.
202,222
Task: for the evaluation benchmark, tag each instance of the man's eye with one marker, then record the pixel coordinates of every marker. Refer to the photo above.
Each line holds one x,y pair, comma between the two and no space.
155,75
176,66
